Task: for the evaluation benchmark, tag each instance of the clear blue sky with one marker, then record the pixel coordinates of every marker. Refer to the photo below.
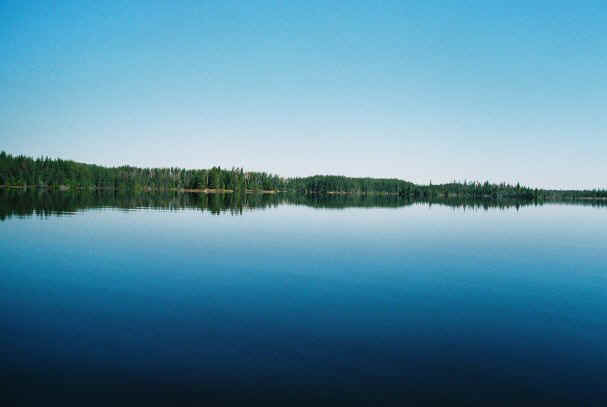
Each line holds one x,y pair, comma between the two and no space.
426,90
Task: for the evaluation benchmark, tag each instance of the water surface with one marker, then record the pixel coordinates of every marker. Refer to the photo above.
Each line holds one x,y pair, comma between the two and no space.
198,297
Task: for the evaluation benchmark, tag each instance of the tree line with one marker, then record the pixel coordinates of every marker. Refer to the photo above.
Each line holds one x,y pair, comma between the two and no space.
45,172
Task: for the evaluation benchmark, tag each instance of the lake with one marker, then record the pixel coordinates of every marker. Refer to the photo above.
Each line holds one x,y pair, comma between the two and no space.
188,297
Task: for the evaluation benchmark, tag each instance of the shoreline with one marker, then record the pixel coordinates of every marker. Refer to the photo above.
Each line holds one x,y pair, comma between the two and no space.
65,188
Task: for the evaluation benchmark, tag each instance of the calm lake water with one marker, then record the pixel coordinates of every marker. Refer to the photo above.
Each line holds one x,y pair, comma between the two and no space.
197,298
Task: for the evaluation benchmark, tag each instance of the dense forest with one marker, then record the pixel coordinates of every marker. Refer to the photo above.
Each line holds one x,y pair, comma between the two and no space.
66,174
46,172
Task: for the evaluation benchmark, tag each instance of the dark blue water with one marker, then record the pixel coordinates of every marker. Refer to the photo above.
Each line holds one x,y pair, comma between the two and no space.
419,303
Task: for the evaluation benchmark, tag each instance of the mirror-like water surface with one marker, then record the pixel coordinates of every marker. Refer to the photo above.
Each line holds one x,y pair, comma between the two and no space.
342,298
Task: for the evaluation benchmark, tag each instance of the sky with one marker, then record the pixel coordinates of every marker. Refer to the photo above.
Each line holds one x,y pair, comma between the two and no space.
512,91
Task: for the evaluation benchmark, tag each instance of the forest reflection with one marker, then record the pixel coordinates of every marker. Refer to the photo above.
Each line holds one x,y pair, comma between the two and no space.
37,202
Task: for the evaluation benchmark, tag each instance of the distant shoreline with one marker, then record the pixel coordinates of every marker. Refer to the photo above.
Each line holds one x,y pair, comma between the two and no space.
57,174
221,191
66,188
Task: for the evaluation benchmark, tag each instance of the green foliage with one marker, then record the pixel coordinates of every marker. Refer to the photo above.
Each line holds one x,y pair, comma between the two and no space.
45,172
319,184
